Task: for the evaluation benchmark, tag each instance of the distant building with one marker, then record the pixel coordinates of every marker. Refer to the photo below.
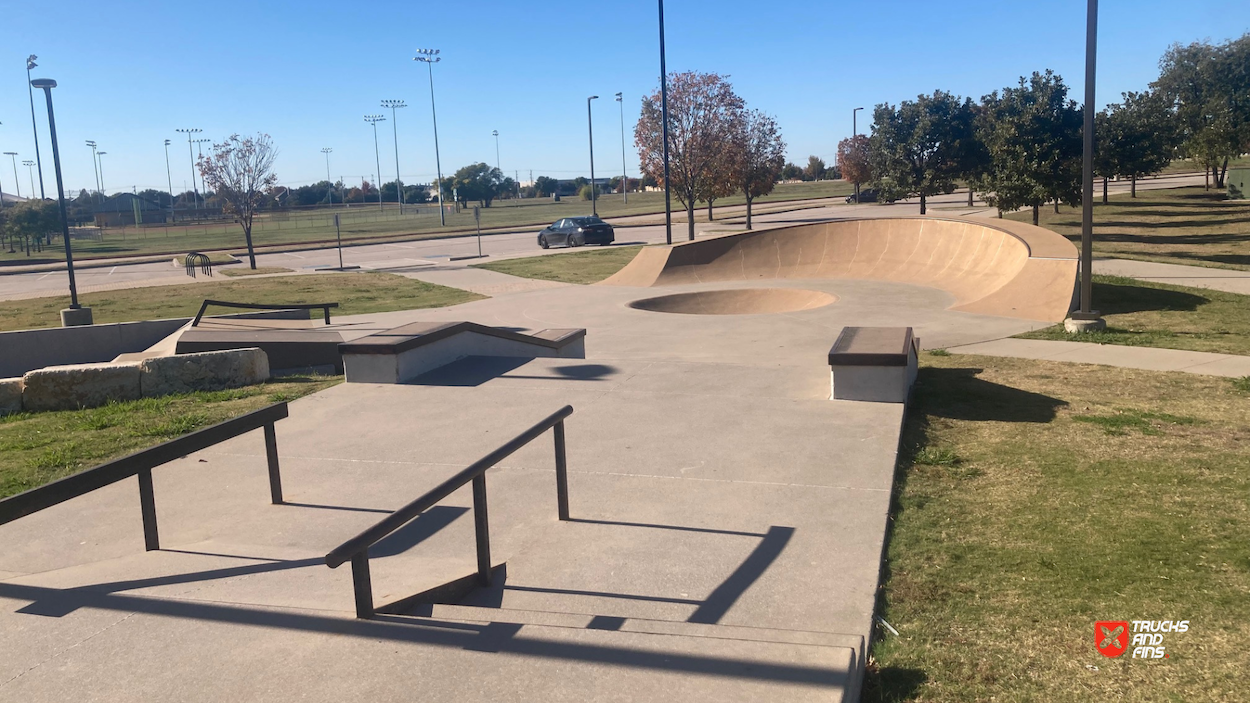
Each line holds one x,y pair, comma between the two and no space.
126,209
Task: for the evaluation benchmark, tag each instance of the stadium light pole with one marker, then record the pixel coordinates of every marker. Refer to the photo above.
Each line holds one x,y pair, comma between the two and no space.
30,63
100,158
17,184
668,198
1087,319
47,84
495,133
30,169
430,57
170,180
95,169
373,120
330,188
590,127
624,165
855,133
195,191
399,186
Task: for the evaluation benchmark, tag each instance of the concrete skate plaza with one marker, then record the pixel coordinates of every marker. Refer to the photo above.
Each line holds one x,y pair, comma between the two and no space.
728,518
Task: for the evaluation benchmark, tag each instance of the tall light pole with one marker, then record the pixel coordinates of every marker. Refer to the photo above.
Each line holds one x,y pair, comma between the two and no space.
30,170
100,158
590,127
668,198
30,63
430,57
624,166
330,188
399,186
95,169
373,120
72,316
855,133
17,184
495,133
1087,319
195,191
170,180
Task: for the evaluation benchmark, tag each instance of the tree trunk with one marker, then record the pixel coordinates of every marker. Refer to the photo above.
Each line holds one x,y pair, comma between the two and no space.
922,203
749,212
1035,209
690,219
1219,181
709,210
1056,207
247,235
1000,213
1132,186
969,196
1104,190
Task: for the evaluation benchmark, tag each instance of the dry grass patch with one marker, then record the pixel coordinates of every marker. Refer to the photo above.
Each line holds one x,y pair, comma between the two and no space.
258,271
1034,498
582,267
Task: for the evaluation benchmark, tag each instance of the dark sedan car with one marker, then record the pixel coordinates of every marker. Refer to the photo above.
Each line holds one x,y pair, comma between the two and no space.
867,195
575,232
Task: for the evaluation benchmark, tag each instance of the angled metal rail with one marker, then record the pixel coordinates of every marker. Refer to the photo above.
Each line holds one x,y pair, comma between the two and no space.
356,549
324,307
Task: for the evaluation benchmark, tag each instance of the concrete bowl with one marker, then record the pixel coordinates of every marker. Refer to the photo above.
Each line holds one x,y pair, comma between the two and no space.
740,301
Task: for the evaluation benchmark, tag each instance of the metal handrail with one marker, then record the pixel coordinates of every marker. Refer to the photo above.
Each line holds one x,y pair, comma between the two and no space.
256,306
141,464
356,549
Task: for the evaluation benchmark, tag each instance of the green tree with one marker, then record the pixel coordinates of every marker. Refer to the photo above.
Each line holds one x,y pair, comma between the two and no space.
1033,135
791,172
921,147
815,169
758,156
479,181
1135,138
546,186
32,220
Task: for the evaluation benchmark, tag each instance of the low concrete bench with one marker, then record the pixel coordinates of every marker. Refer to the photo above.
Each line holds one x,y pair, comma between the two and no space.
873,363
401,354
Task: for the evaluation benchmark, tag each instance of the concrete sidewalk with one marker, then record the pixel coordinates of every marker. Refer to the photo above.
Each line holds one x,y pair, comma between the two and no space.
1149,358
1229,280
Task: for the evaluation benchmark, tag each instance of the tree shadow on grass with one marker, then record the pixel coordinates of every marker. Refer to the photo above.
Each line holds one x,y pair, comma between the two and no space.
888,684
959,394
1121,298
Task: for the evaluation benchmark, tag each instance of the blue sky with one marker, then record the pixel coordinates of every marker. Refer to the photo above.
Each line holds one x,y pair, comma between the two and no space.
129,73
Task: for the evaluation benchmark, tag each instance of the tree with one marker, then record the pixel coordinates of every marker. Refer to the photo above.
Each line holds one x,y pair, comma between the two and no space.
919,148
240,171
702,109
1033,135
791,172
1208,86
815,168
546,186
759,155
1135,138
479,181
32,219
854,159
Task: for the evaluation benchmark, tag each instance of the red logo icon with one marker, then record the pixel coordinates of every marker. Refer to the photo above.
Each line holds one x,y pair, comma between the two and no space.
1111,637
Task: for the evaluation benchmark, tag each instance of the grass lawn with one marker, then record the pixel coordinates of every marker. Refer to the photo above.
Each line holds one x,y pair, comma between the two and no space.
1188,166
1145,314
36,448
1034,498
240,271
586,266
356,292
1173,225
420,221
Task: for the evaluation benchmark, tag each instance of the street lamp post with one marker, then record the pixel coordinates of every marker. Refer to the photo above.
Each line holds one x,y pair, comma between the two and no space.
399,186
30,170
373,120
17,184
170,180
855,133
30,63
100,158
75,314
330,188
1087,319
95,169
590,126
195,191
430,57
624,165
668,198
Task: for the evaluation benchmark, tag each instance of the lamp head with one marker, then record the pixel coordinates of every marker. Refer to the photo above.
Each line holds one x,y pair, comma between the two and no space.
90,143
30,62
45,83
593,97
10,153
618,97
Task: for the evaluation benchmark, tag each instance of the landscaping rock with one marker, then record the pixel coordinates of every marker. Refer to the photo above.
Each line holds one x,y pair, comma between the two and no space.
79,386
202,371
10,396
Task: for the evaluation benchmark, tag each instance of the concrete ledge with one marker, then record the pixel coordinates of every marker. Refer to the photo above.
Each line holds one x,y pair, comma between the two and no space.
10,396
402,354
204,371
79,386
876,364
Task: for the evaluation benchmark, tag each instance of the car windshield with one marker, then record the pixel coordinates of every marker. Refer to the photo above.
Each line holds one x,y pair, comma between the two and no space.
583,221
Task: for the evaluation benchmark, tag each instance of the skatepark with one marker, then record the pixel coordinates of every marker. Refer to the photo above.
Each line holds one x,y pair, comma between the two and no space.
727,518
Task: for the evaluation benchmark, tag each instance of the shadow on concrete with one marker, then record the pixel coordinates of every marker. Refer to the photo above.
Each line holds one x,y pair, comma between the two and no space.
476,370
748,572
959,394
318,506
420,529
680,528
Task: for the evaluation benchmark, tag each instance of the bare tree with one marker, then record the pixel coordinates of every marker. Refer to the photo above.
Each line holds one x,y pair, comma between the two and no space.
759,155
240,172
702,110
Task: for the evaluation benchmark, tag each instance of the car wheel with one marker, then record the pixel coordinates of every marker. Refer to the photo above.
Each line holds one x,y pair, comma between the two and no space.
575,242
542,242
